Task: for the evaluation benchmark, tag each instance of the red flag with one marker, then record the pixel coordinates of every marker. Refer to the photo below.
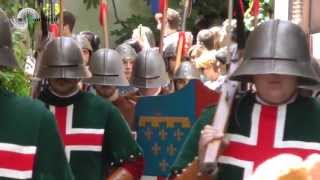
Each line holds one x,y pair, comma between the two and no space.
162,5
54,29
241,7
103,9
181,43
255,8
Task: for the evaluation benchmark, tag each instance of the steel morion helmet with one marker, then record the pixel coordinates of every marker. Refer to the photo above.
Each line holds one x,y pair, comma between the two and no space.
149,70
170,51
277,47
62,59
187,70
7,57
107,69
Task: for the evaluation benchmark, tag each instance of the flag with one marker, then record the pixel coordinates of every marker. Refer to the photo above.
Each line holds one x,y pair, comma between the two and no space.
255,8
103,9
157,6
54,29
241,6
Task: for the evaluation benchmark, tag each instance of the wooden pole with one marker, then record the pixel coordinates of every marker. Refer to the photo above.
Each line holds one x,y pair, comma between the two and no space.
105,23
61,17
163,25
210,162
182,36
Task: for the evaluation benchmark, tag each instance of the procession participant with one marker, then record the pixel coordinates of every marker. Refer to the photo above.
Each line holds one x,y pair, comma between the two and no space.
205,38
195,51
186,72
86,49
274,120
93,39
95,135
69,21
149,74
128,58
170,57
172,28
29,140
144,36
213,70
107,75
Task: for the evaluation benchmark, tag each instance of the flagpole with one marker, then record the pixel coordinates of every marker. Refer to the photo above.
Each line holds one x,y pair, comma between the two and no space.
61,18
104,21
163,25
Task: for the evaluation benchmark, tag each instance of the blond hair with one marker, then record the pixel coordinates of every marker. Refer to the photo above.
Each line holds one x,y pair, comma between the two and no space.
208,59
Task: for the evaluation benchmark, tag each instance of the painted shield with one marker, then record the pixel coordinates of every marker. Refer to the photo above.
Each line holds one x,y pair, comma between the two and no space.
164,122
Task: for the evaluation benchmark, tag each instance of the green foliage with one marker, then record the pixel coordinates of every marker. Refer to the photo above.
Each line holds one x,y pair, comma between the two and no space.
131,23
215,11
264,15
15,80
91,3
10,7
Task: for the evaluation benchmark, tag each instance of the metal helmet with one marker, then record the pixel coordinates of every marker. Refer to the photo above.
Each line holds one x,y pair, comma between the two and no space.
7,57
83,42
221,55
277,47
144,33
93,39
149,70
187,70
126,51
107,69
170,51
62,59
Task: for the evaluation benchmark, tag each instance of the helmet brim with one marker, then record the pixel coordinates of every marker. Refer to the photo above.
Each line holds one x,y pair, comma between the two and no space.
306,75
107,80
78,72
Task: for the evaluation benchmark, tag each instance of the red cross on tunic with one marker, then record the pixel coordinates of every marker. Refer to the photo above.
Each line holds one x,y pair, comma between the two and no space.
264,148
79,139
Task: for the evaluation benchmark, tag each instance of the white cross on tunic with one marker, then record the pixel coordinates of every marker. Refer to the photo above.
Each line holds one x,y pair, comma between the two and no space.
266,141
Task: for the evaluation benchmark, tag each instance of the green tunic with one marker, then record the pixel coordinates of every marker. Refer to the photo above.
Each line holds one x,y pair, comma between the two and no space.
30,146
95,135
256,133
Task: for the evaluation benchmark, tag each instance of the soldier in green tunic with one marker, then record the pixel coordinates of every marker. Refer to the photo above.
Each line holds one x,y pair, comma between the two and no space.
96,138
273,121
30,147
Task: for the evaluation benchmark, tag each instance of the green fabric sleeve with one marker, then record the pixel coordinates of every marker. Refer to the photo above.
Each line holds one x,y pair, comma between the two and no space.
51,162
119,143
189,149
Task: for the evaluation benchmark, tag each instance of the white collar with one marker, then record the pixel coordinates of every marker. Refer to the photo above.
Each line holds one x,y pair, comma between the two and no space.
64,96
